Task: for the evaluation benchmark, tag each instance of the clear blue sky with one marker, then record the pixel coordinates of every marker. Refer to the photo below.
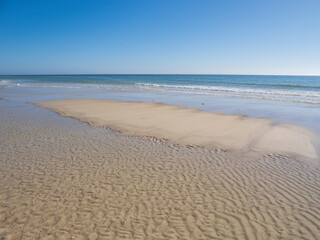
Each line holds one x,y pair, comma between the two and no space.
160,36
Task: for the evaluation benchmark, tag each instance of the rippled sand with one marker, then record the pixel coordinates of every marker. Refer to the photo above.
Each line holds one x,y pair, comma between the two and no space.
63,179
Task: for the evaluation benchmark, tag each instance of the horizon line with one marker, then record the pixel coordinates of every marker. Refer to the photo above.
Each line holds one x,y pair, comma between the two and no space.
231,74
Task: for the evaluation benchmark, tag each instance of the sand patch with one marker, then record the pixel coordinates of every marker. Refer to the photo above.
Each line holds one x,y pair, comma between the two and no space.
190,126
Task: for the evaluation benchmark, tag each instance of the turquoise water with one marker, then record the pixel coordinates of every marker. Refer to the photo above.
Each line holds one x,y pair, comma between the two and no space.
286,99
303,89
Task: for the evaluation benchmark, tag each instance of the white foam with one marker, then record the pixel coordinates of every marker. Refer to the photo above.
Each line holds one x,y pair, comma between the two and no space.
5,82
236,90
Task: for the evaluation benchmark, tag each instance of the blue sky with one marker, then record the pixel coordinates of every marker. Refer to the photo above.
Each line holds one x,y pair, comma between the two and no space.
160,36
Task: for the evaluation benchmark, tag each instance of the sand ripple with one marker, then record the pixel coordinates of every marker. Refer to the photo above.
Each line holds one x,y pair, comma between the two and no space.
62,179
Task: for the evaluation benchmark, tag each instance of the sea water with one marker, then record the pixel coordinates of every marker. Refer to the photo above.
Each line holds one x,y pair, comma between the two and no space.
286,99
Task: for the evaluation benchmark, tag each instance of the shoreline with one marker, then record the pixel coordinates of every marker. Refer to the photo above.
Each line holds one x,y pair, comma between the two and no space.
191,126
306,115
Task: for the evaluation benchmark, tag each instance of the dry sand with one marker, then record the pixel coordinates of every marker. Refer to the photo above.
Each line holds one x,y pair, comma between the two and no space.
190,126
63,179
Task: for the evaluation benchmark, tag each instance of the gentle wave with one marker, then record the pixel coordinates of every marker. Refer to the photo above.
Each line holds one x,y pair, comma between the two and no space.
5,82
9,83
266,85
250,96
235,90
105,82
266,94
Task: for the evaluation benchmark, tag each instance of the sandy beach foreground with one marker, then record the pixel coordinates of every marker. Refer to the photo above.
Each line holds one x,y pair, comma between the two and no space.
63,179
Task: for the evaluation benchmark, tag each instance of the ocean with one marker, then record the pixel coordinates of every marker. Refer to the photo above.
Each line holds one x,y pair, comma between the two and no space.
304,89
286,99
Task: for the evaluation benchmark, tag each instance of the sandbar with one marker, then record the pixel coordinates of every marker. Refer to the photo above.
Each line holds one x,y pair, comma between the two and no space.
191,126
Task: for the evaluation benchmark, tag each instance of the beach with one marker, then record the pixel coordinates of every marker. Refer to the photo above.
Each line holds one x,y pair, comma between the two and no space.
75,167
159,120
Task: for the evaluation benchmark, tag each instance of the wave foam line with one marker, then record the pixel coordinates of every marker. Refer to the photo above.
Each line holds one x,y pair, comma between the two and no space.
237,90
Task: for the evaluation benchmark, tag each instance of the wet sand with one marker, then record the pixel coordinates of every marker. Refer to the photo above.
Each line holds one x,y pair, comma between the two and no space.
64,179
